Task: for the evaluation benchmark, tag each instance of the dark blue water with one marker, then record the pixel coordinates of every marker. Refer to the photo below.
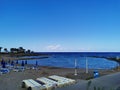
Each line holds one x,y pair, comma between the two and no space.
67,60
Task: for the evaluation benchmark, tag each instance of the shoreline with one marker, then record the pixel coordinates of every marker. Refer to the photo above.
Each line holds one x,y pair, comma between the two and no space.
7,57
45,71
108,58
22,55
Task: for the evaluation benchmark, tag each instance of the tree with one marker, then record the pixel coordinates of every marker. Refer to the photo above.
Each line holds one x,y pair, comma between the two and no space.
21,50
28,51
14,50
32,51
5,49
0,49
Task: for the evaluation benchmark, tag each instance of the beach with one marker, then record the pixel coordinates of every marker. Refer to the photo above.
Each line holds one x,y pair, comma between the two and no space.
12,80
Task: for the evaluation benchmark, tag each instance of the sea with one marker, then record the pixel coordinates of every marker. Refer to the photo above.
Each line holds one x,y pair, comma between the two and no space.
95,60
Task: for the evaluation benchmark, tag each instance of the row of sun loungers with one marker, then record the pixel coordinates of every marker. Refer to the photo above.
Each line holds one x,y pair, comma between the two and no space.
49,83
62,81
31,84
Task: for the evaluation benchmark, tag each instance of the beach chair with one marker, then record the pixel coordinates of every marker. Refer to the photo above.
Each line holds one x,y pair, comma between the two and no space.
30,84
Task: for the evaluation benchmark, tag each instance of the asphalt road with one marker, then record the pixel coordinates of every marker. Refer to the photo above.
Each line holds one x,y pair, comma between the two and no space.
108,82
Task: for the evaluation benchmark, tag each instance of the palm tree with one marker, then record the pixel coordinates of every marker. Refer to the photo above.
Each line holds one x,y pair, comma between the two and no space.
0,49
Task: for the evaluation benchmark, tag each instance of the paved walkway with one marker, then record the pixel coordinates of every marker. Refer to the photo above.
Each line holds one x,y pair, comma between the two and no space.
108,82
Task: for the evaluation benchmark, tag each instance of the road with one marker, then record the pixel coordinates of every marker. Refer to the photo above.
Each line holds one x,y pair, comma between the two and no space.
108,82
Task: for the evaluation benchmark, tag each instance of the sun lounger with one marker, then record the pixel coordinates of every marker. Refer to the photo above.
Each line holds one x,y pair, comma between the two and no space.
18,69
66,79
48,81
32,85
49,84
4,70
62,80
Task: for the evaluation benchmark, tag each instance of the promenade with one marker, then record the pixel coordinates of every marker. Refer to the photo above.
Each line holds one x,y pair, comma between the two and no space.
108,82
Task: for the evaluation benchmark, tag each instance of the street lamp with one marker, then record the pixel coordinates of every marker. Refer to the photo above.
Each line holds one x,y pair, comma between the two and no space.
75,67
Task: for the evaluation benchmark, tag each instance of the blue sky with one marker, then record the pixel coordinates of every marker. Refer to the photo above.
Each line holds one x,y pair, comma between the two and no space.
60,25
